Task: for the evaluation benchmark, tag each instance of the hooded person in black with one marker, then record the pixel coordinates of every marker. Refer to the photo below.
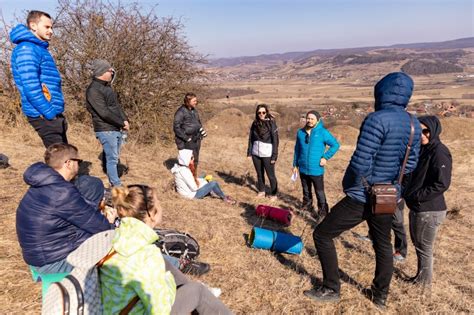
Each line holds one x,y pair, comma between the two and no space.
432,176
424,196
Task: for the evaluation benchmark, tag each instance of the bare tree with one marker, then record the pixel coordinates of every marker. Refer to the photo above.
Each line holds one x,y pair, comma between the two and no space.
155,64
10,102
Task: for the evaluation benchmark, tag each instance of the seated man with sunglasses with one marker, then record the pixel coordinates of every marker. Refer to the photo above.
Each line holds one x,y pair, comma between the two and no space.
53,218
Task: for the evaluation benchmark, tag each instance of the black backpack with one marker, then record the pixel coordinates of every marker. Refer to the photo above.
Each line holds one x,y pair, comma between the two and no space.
177,244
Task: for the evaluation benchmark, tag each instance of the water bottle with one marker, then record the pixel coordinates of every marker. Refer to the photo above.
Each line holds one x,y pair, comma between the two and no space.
124,137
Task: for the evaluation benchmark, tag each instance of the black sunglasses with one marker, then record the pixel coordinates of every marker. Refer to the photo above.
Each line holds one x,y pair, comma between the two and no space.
72,159
425,131
262,113
144,189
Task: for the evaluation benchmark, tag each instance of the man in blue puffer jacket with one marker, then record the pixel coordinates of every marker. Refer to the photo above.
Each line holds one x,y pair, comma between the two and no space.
378,157
53,219
310,157
38,79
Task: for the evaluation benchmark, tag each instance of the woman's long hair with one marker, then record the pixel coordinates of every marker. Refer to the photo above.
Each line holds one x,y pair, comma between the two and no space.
267,116
192,167
263,127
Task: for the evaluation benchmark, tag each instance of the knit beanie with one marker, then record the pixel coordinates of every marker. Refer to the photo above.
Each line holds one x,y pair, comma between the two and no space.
315,113
99,67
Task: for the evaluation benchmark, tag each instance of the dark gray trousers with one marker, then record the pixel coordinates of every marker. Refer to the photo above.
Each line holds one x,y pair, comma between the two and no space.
423,229
192,295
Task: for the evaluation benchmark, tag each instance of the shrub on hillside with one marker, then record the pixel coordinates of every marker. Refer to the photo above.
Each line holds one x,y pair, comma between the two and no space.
424,67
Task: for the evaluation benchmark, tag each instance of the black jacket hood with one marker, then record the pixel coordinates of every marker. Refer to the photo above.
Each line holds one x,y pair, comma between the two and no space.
434,125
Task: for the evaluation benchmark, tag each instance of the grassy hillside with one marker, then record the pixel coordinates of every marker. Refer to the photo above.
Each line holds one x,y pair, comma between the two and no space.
256,281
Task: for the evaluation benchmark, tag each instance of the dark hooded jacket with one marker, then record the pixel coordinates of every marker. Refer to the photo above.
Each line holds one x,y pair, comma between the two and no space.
53,219
432,176
383,139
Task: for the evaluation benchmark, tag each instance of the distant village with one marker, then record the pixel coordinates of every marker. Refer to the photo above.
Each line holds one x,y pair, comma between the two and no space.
353,115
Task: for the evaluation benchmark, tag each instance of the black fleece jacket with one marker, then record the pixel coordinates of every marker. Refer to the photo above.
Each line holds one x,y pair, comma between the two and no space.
102,103
186,125
268,133
432,176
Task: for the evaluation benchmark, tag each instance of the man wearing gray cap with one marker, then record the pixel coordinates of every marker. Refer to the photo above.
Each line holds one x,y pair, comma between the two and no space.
108,117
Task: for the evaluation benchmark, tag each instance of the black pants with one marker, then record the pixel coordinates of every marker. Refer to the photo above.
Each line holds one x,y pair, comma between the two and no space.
307,181
399,231
400,244
346,214
50,131
262,165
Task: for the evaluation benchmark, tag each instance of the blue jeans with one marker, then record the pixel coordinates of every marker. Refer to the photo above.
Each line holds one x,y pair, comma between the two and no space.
172,260
205,190
61,266
111,142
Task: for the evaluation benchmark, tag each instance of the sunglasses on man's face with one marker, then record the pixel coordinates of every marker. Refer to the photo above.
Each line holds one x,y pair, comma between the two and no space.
425,131
262,113
144,189
79,161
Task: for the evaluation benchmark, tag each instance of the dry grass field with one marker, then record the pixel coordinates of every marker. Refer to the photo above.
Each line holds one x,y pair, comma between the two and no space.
257,281
435,88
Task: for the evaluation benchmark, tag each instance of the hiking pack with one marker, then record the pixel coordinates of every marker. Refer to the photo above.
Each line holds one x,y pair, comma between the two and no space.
177,244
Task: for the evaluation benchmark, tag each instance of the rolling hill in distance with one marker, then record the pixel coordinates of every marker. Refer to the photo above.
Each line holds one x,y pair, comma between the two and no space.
268,59
363,64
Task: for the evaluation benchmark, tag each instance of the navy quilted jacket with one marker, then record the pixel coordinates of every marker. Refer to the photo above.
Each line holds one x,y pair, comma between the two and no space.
36,75
52,219
383,138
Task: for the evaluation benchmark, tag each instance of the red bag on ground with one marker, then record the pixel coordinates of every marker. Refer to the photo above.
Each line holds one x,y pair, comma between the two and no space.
277,214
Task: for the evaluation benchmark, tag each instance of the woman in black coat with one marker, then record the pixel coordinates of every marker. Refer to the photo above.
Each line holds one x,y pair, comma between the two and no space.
424,196
263,149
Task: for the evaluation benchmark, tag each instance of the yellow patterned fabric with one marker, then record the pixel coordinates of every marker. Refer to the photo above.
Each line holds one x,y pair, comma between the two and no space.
138,268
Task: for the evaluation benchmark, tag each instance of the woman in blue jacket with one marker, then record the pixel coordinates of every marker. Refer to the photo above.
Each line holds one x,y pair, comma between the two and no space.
310,157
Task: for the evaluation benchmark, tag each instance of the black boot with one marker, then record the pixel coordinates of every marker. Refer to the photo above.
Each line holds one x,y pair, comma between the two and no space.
307,206
379,299
322,213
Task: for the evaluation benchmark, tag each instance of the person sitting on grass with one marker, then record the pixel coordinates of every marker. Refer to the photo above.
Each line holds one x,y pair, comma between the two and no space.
189,185
94,193
135,276
53,219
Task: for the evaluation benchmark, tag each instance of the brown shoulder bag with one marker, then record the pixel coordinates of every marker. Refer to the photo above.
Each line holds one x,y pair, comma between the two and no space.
384,197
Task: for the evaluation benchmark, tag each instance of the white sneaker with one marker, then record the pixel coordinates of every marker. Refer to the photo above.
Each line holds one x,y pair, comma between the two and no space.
215,291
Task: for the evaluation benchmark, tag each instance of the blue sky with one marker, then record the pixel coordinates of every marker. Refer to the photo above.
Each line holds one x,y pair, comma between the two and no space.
229,28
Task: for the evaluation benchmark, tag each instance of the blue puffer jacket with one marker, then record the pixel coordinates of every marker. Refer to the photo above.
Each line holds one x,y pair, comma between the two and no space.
383,138
36,75
308,153
52,219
